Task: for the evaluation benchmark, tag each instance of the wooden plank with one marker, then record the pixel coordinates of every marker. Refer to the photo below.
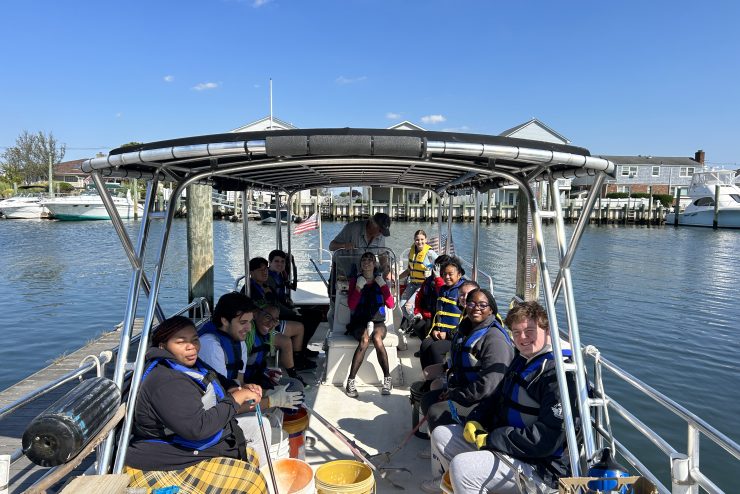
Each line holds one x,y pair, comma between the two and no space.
94,484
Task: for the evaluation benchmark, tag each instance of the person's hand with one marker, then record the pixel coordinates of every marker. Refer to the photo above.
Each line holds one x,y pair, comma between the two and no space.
282,398
380,281
474,433
361,282
244,394
438,335
273,375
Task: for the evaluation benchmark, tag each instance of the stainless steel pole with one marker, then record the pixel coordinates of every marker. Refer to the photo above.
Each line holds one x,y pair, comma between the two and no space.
245,241
476,234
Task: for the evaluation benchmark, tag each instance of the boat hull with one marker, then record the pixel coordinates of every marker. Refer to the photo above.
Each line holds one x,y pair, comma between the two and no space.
26,212
727,218
83,212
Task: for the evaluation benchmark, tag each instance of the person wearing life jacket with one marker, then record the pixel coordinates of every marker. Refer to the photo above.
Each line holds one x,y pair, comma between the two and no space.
446,317
368,298
522,419
425,304
263,294
185,426
281,285
479,357
420,265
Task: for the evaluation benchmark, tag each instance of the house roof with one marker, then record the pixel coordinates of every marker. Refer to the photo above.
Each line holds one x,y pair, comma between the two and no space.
406,125
514,130
69,168
652,160
263,124
293,160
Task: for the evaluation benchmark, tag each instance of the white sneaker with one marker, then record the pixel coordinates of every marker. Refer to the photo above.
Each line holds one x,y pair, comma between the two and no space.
387,385
351,389
431,486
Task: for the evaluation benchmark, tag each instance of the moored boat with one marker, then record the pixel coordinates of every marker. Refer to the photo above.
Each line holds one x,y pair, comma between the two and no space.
712,191
89,206
23,207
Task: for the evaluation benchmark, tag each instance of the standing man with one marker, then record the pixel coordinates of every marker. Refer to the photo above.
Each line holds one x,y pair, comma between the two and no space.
522,420
363,234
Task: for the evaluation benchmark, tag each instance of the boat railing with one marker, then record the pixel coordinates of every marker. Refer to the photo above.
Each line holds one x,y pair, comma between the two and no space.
686,474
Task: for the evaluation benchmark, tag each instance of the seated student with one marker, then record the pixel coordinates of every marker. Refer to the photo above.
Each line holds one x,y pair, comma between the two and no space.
280,284
224,349
420,264
446,317
522,420
262,294
368,297
185,431
479,357
425,304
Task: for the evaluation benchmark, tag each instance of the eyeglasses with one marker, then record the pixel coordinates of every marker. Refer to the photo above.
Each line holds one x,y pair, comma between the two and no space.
269,319
480,305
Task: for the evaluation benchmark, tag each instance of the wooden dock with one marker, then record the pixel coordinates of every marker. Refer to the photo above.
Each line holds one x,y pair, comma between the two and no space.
23,473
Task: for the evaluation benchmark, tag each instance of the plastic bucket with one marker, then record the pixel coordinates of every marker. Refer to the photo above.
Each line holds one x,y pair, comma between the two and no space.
280,444
295,424
446,484
416,394
297,445
344,476
293,476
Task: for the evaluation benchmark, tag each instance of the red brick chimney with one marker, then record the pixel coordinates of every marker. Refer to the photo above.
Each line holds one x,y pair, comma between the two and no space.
699,156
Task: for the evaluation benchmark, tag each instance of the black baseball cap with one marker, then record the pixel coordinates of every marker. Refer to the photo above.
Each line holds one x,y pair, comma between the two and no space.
384,222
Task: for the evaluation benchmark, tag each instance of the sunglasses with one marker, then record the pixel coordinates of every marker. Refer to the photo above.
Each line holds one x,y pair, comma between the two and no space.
480,305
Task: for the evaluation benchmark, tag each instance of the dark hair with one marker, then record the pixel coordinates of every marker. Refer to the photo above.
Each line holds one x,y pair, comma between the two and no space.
275,253
489,296
528,310
468,283
454,261
442,259
231,305
368,254
420,232
168,327
257,262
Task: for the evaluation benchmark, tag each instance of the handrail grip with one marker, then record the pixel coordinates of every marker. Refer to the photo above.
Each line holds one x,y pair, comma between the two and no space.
710,432
38,392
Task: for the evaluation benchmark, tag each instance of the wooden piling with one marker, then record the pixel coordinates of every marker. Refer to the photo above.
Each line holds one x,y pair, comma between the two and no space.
677,207
200,243
715,219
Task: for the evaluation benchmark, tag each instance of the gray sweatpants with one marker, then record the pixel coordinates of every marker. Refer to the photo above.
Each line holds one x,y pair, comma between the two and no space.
476,472
249,424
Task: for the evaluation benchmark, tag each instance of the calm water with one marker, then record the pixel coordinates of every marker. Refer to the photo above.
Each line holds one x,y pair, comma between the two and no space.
661,303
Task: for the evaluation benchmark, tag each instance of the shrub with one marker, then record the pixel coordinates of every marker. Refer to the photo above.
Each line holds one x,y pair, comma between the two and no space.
665,199
616,195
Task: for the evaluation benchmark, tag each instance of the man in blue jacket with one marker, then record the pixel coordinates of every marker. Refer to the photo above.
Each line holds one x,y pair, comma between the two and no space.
522,421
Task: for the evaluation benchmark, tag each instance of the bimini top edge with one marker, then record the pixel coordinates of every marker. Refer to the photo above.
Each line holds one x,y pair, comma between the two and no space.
292,160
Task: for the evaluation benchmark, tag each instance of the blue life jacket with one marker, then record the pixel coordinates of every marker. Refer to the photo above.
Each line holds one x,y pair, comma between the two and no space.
448,314
232,349
428,299
257,359
463,355
371,306
521,408
213,392
280,284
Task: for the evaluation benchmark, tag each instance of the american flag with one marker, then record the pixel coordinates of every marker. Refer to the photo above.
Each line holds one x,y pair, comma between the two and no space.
438,246
310,223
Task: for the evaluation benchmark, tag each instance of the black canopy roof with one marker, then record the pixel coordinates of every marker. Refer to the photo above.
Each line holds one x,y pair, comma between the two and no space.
291,160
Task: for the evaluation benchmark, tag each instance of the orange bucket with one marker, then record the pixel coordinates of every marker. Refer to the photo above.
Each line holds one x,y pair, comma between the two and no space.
446,484
293,476
295,424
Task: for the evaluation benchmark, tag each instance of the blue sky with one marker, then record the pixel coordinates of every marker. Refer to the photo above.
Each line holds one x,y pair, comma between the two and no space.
630,77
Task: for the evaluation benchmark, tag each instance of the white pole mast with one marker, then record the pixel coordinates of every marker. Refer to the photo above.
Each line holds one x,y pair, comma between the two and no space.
270,103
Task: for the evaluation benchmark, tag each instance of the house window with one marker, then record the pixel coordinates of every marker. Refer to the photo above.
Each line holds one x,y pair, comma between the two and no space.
623,188
414,197
510,199
656,171
70,179
629,171
686,171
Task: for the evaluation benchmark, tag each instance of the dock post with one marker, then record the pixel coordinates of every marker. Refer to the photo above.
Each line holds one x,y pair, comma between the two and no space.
369,202
601,211
200,243
350,208
677,207
434,207
390,205
715,220
488,208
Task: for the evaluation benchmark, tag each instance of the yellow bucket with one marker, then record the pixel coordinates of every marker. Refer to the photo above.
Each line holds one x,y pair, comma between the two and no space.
446,484
294,422
345,477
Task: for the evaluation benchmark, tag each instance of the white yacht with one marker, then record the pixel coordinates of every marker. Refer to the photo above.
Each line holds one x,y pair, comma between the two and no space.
23,207
89,206
702,191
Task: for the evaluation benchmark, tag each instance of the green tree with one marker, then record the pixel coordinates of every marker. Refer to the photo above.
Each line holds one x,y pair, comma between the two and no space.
28,161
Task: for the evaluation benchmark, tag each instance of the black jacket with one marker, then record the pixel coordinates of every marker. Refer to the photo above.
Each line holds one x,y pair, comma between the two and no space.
170,399
494,353
541,443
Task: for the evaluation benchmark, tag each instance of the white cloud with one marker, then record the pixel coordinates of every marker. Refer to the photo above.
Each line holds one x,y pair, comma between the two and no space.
205,85
433,119
392,115
350,80
169,78
259,3
463,128
119,115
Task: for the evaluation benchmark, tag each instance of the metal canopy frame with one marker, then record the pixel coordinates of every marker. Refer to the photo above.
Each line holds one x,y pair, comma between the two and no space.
290,161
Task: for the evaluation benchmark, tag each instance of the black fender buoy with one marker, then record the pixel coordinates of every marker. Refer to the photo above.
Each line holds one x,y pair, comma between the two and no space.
60,432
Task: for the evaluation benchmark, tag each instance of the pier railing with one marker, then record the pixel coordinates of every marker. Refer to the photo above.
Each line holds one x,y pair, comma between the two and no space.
686,474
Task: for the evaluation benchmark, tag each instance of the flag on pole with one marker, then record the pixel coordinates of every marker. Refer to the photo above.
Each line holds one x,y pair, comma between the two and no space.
438,245
310,223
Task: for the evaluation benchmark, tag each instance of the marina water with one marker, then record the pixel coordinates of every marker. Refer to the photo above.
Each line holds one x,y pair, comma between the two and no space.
662,303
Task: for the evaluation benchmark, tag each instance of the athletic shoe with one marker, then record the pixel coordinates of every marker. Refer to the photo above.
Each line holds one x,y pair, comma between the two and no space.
351,389
302,364
387,385
431,486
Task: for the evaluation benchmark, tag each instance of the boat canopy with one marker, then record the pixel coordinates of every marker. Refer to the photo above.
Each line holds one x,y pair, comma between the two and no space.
310,158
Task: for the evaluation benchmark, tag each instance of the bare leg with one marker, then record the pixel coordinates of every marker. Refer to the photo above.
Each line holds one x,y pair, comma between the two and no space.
283,343
294,331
